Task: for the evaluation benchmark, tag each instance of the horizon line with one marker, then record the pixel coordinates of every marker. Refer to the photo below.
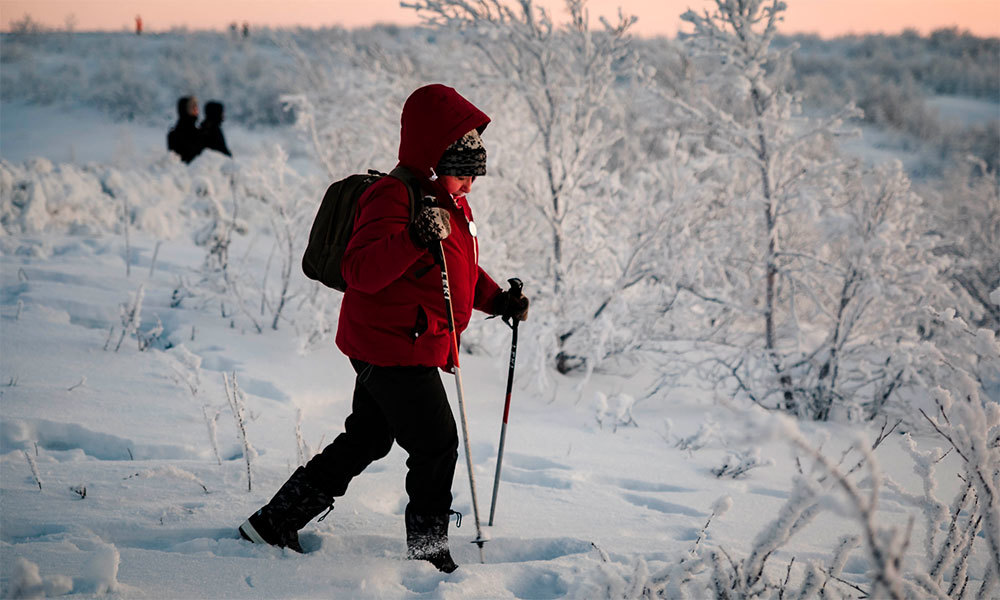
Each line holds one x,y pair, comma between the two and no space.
181,29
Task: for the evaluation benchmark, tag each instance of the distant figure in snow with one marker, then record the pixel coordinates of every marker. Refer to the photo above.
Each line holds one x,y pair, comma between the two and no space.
246,29
211,128
138,25
185,139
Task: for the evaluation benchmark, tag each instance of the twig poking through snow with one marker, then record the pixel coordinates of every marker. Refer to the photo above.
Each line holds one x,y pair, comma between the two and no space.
300,444
82,381
152,263
34,468
168,472
600,551
131,316
719,508
111,333
738,464
210,421
126,217
237,402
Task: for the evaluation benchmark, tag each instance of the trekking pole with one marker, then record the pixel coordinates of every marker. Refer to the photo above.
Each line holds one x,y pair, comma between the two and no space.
515,288
438,252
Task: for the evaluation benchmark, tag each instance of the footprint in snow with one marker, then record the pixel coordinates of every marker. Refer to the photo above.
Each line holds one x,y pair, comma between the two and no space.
532,463
635,485
664,507
514,475
516,550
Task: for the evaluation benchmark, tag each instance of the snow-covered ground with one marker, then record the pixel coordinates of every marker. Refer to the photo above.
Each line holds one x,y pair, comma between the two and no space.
159,516
965,111
109,477
82,135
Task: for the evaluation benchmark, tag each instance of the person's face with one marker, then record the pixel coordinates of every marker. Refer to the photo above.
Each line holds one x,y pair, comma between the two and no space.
457,186
193,107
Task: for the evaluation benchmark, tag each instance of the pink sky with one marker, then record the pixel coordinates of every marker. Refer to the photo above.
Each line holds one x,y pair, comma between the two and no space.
656,17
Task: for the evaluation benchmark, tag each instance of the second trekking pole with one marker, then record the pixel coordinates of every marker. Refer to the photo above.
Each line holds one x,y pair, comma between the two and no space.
515,289
438,252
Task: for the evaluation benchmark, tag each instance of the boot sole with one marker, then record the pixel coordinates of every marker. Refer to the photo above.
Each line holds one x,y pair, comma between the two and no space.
250,534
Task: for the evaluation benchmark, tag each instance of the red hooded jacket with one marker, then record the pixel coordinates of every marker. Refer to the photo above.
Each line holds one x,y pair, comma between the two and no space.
393,312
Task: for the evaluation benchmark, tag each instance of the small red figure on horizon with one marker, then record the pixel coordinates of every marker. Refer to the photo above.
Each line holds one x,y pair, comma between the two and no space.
138,25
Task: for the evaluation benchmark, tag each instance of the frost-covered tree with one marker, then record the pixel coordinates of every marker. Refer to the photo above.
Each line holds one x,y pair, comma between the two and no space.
965,215
868,302
817,262
577,207
347,109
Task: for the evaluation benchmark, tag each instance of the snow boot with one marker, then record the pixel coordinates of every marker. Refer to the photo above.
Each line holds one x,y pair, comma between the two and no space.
278,522
427,539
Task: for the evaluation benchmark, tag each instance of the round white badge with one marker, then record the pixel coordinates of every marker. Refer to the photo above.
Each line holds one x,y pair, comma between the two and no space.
472,229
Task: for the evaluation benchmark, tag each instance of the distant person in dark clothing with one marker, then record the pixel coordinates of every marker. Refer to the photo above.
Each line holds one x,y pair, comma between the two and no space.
211,128
185,139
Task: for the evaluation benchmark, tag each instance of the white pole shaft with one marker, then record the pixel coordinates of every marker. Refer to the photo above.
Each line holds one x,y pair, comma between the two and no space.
468,459
461,402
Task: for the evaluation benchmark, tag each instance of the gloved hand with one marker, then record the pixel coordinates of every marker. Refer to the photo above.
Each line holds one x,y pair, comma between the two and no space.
430,225
512,304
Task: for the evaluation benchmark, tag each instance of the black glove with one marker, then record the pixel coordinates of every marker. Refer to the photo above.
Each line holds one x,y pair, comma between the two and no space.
512,304
432,224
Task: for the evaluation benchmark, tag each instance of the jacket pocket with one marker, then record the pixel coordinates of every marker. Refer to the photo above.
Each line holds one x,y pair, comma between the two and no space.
419,325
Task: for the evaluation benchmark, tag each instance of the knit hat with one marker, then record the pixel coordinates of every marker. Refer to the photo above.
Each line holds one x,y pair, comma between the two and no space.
465,157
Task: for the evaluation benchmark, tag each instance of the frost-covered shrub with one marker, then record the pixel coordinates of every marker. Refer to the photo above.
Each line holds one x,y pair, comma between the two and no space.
893,77
958,557
814,267
37,196
614,411
121,89
581,214
964,217
737,464
216,200
130,313
140,77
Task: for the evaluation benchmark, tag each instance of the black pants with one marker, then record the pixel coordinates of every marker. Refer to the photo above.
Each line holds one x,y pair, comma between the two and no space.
407,405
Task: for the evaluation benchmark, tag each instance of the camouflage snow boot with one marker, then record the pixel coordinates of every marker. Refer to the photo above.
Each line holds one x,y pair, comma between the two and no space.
278,522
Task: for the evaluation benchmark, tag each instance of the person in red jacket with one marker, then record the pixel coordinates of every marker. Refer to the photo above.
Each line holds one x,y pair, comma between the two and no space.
394,328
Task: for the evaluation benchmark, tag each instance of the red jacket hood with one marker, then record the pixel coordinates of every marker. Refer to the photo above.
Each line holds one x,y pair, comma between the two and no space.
434,117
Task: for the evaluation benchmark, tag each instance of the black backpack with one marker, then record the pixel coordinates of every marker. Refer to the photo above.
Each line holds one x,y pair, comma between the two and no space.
334,224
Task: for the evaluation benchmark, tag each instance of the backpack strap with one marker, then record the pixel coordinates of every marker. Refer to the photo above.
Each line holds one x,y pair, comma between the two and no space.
413,187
